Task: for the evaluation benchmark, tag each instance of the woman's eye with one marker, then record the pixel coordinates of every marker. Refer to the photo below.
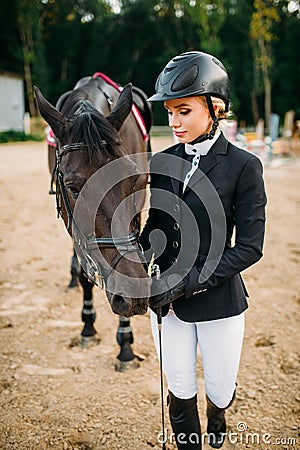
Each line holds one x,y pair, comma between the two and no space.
184,112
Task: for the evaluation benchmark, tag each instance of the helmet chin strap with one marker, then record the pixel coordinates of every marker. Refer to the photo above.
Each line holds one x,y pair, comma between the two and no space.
210,135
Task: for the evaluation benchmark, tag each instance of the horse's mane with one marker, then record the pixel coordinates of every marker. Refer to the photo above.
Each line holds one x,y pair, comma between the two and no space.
89,126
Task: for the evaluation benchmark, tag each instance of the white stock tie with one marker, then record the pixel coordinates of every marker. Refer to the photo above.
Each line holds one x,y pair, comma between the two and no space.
197,150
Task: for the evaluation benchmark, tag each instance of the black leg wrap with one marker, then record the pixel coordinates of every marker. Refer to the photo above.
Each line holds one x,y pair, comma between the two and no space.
216,423
75,269
185,422
125,339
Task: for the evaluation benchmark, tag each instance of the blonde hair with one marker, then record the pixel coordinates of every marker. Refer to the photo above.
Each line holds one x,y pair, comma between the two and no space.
221,113
216,101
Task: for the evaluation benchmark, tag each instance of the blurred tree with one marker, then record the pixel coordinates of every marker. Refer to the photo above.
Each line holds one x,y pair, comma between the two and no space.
261,32
56,42
286,69
236,53
30,32
67,32
208,16
11,56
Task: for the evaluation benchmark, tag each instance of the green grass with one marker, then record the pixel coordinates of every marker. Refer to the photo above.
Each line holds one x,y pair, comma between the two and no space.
37,132
19,136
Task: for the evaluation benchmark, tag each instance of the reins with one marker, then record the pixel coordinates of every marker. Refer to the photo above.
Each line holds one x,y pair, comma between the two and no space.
156,272
159,327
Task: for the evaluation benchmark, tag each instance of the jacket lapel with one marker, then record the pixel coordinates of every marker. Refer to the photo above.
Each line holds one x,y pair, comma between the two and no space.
175,169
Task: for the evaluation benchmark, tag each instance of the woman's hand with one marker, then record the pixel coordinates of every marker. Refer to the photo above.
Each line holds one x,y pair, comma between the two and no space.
166,289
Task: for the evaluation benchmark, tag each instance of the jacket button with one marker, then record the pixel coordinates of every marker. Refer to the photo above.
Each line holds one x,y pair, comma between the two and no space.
176,226
176,207
175,244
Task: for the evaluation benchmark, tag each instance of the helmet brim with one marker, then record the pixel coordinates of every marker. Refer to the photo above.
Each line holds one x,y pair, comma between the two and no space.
157,98
163,97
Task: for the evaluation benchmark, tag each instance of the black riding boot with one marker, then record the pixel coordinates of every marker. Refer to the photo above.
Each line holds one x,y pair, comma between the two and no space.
216,423
185,422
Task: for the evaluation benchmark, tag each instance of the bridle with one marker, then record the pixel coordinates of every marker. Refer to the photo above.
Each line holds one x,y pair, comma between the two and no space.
123,244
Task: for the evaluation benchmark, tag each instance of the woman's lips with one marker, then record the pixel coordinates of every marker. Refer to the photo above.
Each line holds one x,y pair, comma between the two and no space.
179,133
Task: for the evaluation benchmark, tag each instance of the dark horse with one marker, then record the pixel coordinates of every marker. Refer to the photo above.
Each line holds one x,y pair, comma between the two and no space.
94,128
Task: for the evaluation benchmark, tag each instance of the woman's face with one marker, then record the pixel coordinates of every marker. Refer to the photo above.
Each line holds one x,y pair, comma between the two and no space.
189,118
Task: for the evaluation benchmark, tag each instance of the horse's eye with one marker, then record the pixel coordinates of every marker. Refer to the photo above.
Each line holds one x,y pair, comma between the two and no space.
74,190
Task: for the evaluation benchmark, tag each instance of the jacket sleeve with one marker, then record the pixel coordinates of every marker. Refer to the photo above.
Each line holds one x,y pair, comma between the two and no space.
249,202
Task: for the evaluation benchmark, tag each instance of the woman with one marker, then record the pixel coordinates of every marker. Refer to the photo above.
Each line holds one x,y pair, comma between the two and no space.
202,190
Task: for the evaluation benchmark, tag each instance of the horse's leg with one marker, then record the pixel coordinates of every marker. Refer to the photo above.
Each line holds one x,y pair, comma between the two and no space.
88,315
126,359
75,269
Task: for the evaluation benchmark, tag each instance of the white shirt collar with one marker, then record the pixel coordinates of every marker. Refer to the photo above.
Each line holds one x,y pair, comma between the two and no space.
203,147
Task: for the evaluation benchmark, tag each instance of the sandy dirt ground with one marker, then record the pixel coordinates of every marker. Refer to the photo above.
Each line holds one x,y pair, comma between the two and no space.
55,396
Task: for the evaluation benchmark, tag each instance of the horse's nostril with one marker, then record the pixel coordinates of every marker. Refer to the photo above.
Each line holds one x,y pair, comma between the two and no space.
119,306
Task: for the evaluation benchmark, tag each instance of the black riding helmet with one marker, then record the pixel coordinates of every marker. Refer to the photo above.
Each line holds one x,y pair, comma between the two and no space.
191,74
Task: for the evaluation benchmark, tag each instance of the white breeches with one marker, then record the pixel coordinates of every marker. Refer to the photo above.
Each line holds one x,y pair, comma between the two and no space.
220,342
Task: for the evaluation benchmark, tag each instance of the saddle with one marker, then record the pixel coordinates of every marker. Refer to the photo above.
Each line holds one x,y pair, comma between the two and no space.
141,108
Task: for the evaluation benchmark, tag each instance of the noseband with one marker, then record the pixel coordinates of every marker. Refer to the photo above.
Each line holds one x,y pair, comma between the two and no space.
123,244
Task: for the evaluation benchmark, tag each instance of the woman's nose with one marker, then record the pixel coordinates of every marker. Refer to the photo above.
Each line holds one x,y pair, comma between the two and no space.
174,121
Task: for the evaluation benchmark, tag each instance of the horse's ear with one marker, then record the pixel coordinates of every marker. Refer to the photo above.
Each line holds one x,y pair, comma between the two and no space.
122,108
53,117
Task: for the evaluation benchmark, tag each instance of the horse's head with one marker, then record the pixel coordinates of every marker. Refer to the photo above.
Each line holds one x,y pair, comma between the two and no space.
96,196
